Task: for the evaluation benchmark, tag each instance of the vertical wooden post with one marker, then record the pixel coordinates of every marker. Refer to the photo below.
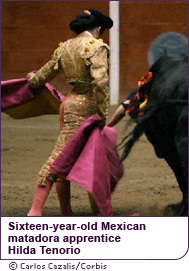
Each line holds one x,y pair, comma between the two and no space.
114,57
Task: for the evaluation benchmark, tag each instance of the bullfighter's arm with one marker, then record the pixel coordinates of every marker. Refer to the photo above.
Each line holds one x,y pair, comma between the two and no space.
99,72
43,75
119,113
48,71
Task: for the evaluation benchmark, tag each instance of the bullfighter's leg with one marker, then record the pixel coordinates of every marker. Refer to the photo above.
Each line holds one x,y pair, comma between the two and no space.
41,194
93,205
63,192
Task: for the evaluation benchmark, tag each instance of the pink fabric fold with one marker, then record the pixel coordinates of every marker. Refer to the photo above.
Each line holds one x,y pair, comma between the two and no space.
90,159
19,101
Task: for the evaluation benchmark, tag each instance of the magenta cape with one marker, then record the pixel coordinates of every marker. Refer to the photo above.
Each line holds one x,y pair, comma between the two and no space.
90,159
19,101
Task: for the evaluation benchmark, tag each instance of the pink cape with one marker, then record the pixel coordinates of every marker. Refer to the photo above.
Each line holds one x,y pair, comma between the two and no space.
89,159
19,101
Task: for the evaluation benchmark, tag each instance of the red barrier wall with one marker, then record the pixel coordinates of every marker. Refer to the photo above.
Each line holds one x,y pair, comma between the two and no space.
31,30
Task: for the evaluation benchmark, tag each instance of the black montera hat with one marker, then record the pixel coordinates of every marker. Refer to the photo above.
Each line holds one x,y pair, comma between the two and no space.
89,19
104,21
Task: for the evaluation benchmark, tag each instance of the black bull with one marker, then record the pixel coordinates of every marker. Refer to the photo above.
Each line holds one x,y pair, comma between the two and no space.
165,120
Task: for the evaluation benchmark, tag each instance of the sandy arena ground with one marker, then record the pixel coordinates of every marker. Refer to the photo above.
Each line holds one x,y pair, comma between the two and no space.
147,187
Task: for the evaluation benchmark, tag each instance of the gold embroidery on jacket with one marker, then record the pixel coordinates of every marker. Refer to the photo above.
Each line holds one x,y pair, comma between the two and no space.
90,93
58,54
90,47
71,58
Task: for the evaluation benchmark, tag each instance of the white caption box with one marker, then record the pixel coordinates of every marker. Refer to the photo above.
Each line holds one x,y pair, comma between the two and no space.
94,237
